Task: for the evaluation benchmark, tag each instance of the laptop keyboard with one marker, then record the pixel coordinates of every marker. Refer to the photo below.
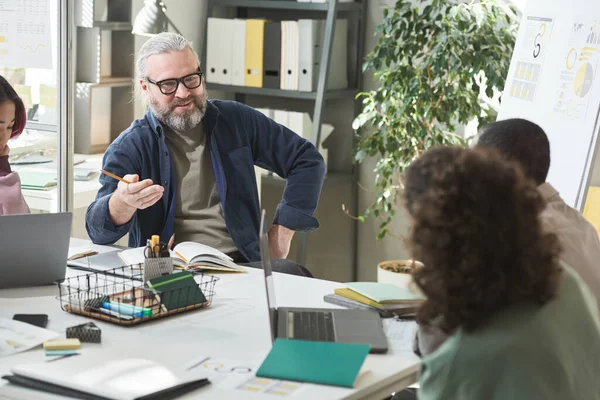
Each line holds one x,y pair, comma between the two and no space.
313,325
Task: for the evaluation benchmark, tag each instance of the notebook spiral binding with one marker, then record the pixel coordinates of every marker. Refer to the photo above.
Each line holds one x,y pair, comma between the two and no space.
127,295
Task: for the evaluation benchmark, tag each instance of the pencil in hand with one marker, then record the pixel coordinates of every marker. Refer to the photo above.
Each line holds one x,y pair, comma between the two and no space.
115,176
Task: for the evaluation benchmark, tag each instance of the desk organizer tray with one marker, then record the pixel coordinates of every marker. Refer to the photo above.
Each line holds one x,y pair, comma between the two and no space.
121,296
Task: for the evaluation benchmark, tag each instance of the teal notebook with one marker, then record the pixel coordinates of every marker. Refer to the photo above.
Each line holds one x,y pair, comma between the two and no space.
328,363
384,293
176,290
35,180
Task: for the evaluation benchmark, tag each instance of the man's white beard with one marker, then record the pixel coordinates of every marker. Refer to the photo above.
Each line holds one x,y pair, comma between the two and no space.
182,122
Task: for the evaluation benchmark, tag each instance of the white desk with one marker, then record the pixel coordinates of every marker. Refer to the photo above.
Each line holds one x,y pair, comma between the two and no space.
235,327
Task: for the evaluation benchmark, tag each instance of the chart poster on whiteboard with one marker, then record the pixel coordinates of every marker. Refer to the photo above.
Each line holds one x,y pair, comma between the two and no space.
531,53
579,69
25,34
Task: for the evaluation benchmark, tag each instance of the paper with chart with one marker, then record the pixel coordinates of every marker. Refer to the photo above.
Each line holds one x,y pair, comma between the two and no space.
400,334
25,34
579,69
17,336
531,56
238,375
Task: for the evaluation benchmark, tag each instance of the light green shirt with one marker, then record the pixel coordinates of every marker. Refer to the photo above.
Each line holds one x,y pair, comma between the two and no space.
524,353
198,212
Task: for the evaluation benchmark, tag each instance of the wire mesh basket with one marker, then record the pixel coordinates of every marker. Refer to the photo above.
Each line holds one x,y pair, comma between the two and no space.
122,296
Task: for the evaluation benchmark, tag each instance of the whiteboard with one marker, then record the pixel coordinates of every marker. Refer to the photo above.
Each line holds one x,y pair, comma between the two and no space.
25,33
554,81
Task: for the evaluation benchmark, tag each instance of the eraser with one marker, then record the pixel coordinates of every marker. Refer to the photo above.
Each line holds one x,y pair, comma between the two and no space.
87,332
62,344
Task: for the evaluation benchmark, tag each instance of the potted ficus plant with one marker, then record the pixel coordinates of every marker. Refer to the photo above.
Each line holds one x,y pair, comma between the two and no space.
439,65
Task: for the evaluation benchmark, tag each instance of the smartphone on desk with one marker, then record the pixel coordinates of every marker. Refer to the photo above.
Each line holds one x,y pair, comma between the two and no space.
40,320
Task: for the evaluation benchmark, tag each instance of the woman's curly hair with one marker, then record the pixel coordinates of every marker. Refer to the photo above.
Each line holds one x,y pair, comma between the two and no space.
476,230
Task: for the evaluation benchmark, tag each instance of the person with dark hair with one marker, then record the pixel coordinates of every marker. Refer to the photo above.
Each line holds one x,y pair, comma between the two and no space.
526,143
12,123
521,141
520,323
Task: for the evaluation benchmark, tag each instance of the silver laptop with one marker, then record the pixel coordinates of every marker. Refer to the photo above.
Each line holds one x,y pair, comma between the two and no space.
34,248
318,324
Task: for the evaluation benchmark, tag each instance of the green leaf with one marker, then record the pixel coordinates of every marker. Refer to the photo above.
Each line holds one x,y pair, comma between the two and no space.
429,67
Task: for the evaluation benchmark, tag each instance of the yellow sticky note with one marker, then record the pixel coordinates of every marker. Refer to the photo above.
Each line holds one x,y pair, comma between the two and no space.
289,385
48,96
24,92
62,344
2,39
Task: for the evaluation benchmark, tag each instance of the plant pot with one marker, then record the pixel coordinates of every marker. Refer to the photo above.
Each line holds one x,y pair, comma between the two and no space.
399,273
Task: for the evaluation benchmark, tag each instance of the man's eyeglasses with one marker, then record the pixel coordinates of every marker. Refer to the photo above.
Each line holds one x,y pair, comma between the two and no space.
170,86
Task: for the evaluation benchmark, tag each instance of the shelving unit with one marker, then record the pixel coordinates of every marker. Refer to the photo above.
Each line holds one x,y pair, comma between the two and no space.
291,5
289,94
104,73
355,12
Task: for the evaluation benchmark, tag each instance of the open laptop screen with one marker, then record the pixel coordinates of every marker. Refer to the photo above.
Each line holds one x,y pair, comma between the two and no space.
265,256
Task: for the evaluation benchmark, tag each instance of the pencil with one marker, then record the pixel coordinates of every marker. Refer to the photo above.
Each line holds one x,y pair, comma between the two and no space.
115,176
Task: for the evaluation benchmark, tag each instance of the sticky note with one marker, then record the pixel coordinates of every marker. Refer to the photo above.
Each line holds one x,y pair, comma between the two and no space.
62,344
60,352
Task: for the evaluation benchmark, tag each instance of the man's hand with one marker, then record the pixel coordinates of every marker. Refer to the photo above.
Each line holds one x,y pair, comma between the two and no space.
5,151
130,197
280,239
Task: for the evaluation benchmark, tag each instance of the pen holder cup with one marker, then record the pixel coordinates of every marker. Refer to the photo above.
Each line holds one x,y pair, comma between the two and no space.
158,266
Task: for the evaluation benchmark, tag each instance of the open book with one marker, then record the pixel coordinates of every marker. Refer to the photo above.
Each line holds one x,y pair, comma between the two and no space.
189,256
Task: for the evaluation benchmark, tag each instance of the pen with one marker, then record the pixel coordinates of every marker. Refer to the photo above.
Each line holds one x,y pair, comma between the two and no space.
115,176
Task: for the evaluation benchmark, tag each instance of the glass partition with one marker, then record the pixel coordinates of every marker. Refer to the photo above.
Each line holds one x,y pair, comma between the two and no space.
29,53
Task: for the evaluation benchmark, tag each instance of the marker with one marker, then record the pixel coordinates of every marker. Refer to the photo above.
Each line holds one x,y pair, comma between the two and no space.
155,243
115,314
127,309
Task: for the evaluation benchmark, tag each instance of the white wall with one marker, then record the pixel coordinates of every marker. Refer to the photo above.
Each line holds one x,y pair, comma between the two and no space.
370,251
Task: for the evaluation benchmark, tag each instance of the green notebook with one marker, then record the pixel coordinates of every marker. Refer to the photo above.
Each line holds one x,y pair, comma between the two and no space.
176,290
384,293
328,363
35,180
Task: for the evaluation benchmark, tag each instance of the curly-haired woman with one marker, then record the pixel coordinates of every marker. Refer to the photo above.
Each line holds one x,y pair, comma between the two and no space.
521,324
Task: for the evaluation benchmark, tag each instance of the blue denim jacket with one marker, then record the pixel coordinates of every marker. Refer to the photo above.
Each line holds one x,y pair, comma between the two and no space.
239,137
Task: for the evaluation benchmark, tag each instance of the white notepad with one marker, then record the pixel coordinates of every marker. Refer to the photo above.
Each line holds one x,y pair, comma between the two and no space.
118,379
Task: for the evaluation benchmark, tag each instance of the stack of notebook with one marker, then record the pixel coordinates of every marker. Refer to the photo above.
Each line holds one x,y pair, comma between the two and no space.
177,290
387,299
35,180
